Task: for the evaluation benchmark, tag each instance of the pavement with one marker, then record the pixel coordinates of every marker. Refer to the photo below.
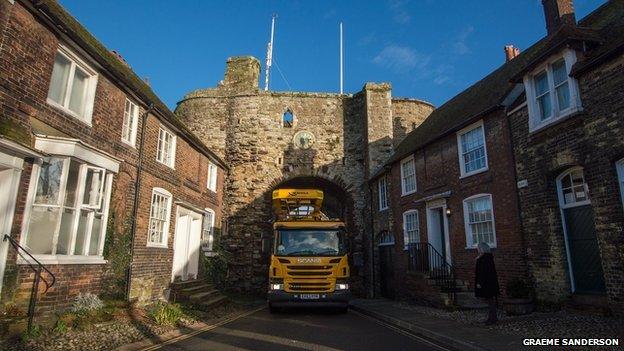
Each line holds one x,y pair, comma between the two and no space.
451,334
302,329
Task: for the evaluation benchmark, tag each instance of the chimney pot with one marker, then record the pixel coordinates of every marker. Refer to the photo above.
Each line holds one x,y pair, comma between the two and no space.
511,52
558,13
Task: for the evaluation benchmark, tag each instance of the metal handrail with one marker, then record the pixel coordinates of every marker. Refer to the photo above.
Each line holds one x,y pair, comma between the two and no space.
424,258
38,276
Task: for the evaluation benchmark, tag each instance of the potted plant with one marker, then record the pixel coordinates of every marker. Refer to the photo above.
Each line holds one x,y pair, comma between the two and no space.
519,299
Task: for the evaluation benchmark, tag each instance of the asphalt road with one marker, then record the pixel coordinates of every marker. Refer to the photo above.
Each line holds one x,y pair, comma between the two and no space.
297,330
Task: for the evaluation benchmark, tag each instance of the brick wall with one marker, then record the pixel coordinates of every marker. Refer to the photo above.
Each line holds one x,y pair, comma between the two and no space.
437,170
26,60
590,139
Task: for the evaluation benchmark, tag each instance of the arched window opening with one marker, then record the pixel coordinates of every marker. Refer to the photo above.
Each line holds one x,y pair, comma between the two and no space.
288,120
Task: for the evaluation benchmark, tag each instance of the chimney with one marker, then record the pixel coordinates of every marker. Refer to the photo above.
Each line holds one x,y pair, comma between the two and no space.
558,13
511,52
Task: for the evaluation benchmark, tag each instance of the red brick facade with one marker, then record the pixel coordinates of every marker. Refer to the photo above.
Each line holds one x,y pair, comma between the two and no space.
27,53
439,181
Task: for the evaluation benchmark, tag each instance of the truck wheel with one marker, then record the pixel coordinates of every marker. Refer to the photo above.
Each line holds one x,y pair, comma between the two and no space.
344,309
272,309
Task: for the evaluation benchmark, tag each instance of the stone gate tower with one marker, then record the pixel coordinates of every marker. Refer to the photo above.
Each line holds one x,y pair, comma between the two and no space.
271,139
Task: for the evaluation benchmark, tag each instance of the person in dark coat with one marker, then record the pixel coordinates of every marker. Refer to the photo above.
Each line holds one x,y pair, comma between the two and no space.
486,281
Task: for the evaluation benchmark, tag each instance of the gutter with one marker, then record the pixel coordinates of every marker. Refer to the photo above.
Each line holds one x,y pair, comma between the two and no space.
137,193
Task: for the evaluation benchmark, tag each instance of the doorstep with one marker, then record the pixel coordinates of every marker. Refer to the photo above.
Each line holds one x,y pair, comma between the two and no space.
449,333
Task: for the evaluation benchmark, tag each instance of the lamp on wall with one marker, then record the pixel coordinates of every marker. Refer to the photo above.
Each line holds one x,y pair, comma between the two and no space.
448,211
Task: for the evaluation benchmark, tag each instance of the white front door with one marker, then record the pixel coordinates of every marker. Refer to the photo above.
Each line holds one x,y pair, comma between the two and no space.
437,229
186,246
10,171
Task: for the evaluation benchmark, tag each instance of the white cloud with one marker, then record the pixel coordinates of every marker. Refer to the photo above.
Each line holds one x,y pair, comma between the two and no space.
399,12
401,59
460,45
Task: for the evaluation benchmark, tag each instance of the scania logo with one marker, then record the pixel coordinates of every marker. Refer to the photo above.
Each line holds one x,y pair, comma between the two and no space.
309,260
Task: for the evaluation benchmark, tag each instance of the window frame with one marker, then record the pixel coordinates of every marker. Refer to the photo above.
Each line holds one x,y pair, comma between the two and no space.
77,206
133,127
164,243
384,202
211,182
174,141
460,151
404,161
208,245
468,230
91,86
535,122
560,195
406,241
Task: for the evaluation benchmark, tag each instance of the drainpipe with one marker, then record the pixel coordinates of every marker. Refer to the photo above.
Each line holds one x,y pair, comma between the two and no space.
137,193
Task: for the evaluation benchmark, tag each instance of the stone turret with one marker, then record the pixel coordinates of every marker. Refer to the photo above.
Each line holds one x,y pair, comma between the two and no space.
242,74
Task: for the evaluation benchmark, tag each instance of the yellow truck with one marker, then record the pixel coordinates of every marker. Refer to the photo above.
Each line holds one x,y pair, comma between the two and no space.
309,264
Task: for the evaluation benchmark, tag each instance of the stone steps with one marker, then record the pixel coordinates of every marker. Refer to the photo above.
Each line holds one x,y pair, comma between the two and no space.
467,300
199,293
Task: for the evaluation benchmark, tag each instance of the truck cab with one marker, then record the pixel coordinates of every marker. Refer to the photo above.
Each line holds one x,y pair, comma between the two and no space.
309,256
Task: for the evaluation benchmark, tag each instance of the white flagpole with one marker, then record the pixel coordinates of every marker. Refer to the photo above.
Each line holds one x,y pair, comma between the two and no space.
269,59
341,61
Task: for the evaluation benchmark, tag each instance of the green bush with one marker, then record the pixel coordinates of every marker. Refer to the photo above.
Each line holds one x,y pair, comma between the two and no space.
166,313
216,267
519,289
60,327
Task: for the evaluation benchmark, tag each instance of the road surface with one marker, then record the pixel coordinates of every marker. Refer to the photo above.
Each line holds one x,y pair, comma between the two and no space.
299,330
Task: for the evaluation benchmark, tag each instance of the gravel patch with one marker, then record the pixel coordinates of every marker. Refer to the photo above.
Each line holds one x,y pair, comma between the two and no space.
110,335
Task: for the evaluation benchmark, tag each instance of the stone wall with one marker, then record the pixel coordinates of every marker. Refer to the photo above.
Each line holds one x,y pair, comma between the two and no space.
350,136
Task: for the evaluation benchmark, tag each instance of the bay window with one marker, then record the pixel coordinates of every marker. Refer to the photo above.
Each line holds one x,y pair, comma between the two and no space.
72,86
551,93
67,209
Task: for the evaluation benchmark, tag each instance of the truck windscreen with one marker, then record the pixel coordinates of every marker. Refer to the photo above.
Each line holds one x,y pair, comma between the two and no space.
310,242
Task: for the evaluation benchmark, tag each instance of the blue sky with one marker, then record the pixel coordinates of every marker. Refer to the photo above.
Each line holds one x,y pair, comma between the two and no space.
427,49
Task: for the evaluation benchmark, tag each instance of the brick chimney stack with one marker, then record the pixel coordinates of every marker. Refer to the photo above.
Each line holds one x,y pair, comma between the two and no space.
558,13
511,52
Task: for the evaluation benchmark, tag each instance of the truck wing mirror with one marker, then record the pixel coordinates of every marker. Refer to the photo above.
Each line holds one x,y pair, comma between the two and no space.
267,243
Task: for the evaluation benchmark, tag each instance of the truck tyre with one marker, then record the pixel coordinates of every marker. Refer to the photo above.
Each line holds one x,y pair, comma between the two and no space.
272,309
344,309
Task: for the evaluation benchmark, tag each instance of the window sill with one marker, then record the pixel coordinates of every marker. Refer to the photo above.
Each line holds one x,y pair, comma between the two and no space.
544,125
67,111
126,142
466,175
492,247
157,246
64,259
408,193
166,165
384,209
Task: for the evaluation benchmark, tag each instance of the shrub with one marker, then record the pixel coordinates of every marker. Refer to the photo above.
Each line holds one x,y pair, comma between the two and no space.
86,302
216,267
519,289
60,327
166,313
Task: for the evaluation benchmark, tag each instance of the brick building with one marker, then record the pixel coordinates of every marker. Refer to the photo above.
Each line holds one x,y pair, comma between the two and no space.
544,173
566,133
86,147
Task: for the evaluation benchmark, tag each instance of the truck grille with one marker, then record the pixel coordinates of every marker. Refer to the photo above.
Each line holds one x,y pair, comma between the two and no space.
312,278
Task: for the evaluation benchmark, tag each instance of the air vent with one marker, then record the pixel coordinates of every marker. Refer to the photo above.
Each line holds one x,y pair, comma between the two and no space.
283,260
335,260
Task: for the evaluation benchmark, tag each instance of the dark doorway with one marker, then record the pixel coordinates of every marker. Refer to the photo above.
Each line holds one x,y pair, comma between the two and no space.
584,250
386,270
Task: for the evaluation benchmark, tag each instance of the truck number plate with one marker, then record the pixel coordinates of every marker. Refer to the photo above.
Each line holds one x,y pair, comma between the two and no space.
309,296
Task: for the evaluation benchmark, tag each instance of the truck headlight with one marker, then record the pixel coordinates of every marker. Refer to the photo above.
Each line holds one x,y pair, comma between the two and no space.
276,286
342,286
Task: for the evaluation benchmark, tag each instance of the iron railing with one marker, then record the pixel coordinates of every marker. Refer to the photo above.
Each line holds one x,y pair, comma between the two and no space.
38,269
424,258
